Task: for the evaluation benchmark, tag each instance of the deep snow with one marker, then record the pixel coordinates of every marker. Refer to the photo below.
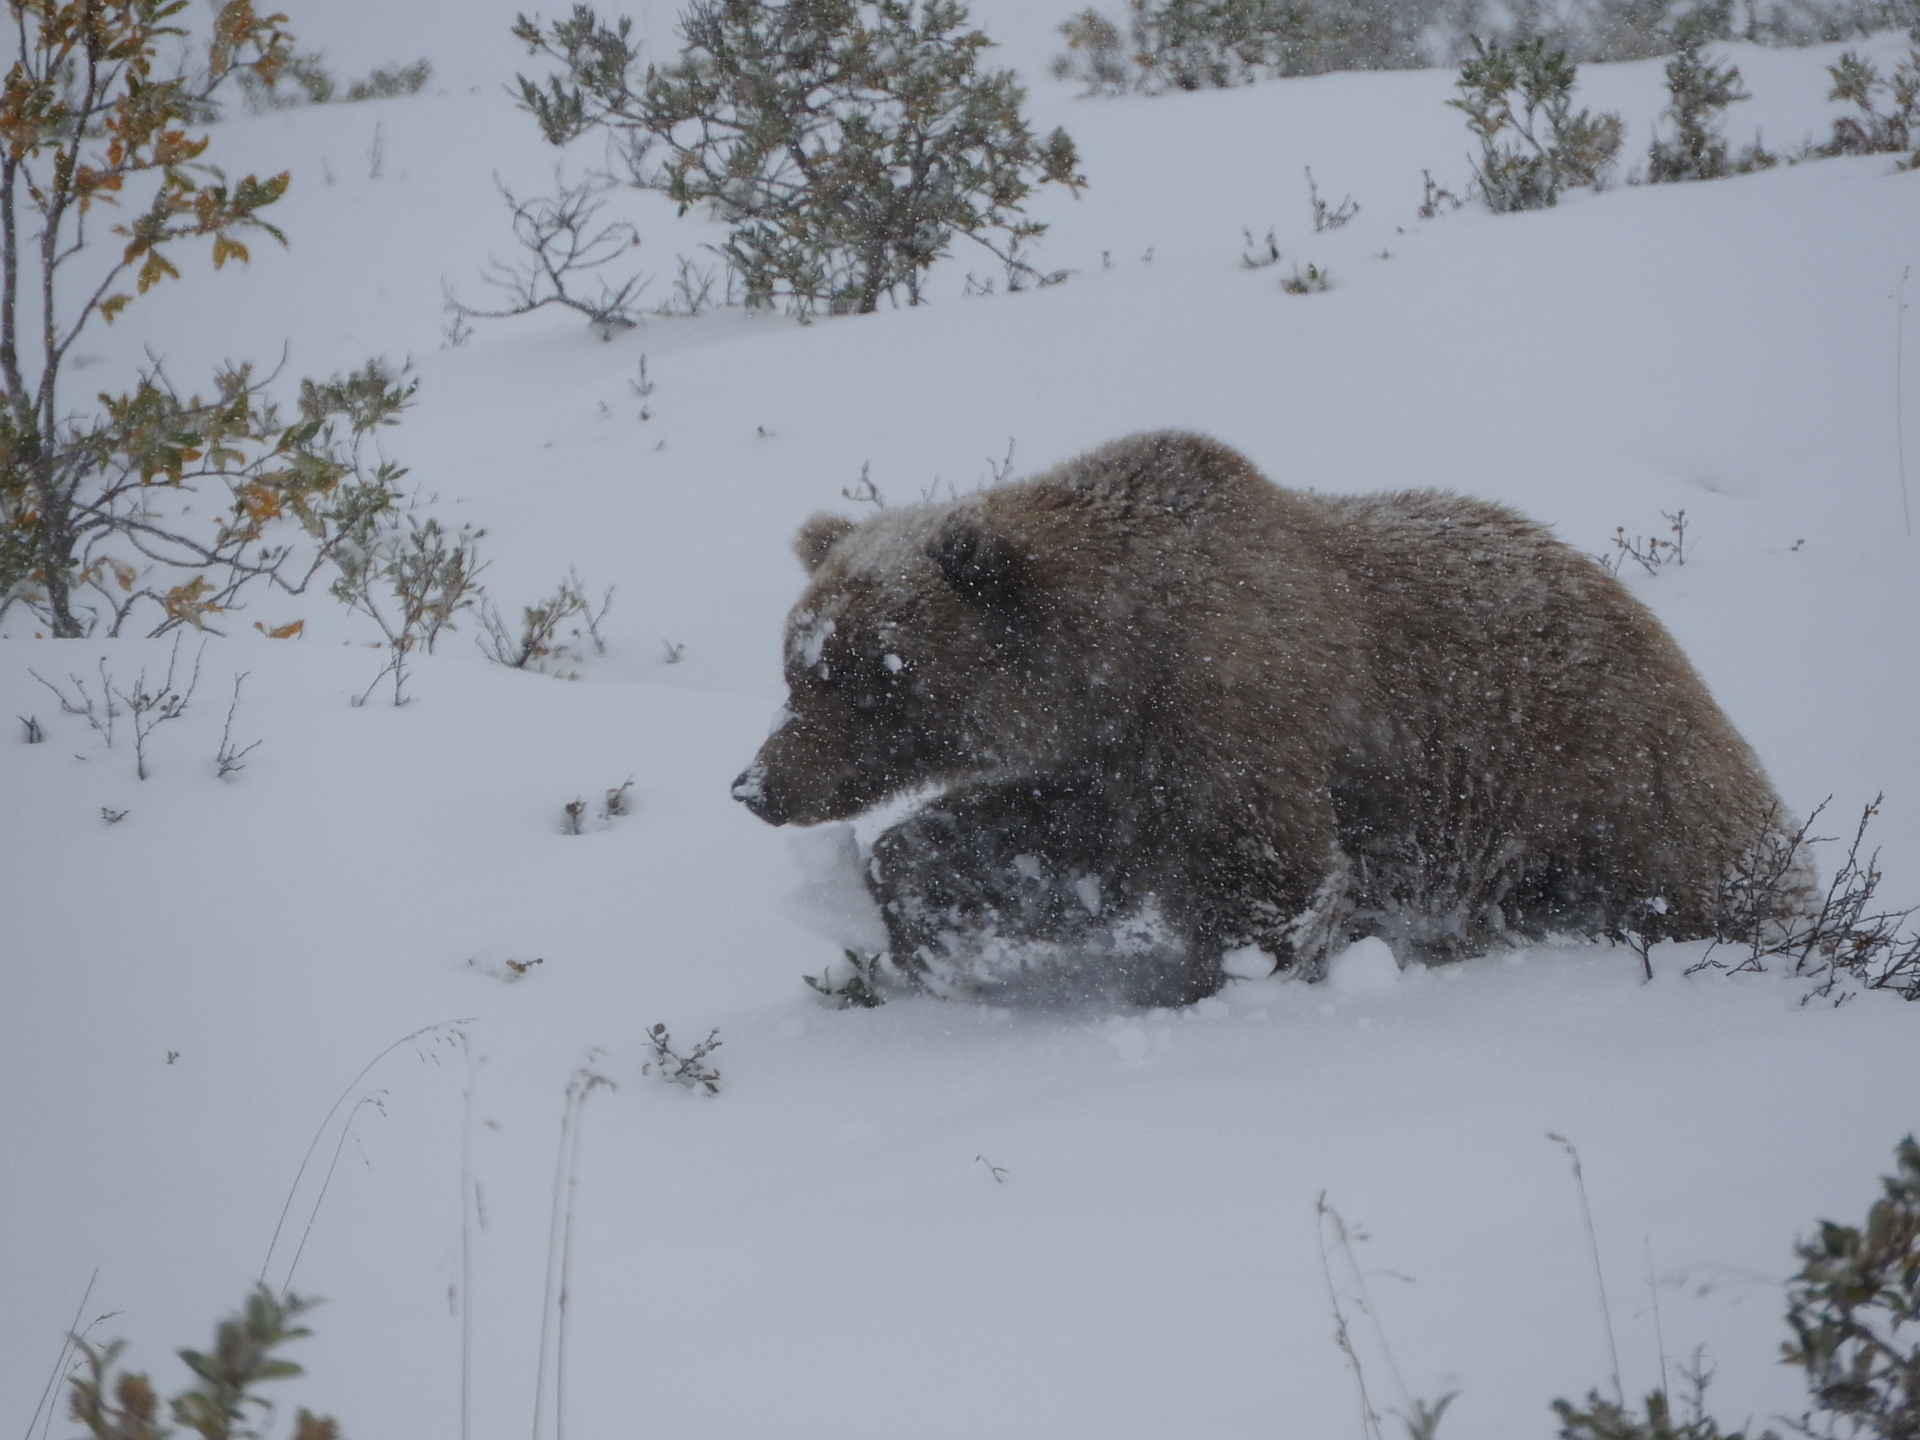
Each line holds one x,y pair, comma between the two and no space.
940,1219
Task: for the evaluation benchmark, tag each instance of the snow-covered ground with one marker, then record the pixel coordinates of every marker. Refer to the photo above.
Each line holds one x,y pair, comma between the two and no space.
936,1219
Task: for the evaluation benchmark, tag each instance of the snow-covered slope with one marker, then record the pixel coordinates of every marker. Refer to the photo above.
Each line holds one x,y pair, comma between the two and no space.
934,1219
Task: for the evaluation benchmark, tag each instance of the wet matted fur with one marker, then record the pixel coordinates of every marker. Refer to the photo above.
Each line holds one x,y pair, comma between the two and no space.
1178,709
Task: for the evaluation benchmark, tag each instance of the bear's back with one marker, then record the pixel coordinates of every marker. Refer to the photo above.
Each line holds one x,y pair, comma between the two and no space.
1160,475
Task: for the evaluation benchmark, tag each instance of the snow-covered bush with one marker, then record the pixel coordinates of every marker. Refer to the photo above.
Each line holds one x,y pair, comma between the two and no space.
845,142
1518,100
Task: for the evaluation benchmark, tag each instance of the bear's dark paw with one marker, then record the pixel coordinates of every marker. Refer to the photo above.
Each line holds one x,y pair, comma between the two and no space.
968,913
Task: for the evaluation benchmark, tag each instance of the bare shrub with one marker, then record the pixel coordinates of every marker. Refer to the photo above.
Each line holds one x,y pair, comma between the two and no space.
539,641
690,1069
1434,195
1651,553
696,289
230,758
1258,254
149,705
1842,943
564,245
100,714
1328,217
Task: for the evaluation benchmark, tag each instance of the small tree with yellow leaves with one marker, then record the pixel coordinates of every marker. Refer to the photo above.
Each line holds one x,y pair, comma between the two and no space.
101,176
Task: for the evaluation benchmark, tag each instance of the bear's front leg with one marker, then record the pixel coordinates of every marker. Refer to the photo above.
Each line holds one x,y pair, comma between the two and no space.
1020,887
1282,884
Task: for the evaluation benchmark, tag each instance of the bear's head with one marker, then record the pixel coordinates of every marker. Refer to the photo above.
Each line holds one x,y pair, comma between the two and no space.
913,659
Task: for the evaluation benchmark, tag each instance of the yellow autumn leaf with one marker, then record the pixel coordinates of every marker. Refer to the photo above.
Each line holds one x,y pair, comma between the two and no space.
289,631
183,602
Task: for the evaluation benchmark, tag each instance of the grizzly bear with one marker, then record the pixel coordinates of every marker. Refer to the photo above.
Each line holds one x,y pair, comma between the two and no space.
1164,708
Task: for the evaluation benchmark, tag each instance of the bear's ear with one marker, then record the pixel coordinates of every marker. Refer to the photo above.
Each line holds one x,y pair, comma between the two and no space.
987,567
816,538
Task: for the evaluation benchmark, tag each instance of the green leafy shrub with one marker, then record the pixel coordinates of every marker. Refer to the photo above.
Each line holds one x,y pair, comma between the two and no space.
224,1405
846,143
1518,100
1872,131
1854,1309
305,80
1603,1419
1214,44
1698,94
1096,54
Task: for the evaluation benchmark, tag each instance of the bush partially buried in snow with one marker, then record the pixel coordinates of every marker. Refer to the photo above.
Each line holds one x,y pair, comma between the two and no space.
1178,710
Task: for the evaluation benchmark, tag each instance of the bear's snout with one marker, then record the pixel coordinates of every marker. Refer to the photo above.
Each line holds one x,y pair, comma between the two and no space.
750,789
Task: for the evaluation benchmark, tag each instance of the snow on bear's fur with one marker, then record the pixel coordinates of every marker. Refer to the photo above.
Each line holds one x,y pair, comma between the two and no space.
1173,709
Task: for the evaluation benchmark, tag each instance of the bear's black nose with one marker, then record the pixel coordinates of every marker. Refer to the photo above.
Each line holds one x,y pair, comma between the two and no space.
750,789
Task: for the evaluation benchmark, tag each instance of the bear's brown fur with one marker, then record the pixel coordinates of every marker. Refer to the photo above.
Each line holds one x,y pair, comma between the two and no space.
1177,709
